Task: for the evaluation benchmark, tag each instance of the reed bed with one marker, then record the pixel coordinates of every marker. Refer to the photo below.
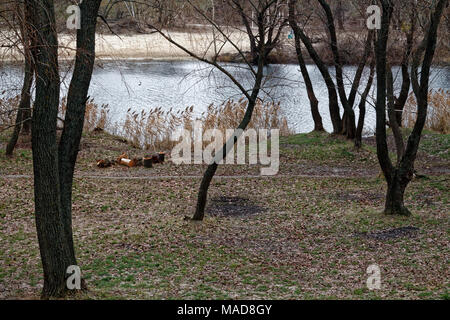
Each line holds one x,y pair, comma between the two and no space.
438,117
153,129
95,117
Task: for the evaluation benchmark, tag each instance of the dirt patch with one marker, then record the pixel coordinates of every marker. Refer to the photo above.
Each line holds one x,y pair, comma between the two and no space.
233,207
403,232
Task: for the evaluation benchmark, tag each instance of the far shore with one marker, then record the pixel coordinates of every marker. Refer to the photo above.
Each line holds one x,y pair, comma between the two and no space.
142,46
148,47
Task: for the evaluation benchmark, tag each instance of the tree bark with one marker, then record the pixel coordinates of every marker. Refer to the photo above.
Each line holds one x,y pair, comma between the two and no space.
381,50
400,102
340,13
52,245
359,71
28,39
394,196
74,118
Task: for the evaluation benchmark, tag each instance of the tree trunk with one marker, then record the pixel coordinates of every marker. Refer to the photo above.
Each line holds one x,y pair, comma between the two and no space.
350,128
394,197
332,95
52,245
212,168
360,69
23,118
318,125
395,127
398,177
74,119
381,58
24,106
362,107
340,13
15,135
406,80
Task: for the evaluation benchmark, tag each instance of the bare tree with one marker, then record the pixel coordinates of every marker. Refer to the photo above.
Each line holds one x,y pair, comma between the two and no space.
314,103
274,14
399,176
362,105
333,102
267,25
23,117
74,117
349,125
52,168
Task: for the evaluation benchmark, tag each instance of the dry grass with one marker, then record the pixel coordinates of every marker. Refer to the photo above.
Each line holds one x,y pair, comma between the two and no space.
8,109
438,118
153,129
95,117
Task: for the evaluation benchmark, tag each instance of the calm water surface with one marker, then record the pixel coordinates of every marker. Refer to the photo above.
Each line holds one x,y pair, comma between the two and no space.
144,85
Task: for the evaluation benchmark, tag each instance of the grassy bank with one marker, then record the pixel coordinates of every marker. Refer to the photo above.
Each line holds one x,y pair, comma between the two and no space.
308,233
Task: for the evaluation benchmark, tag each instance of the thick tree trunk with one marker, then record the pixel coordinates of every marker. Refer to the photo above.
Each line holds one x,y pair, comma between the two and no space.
394,197
74,119
314,103
52,245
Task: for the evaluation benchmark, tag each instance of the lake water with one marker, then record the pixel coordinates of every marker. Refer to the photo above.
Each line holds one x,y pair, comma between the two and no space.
178,84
